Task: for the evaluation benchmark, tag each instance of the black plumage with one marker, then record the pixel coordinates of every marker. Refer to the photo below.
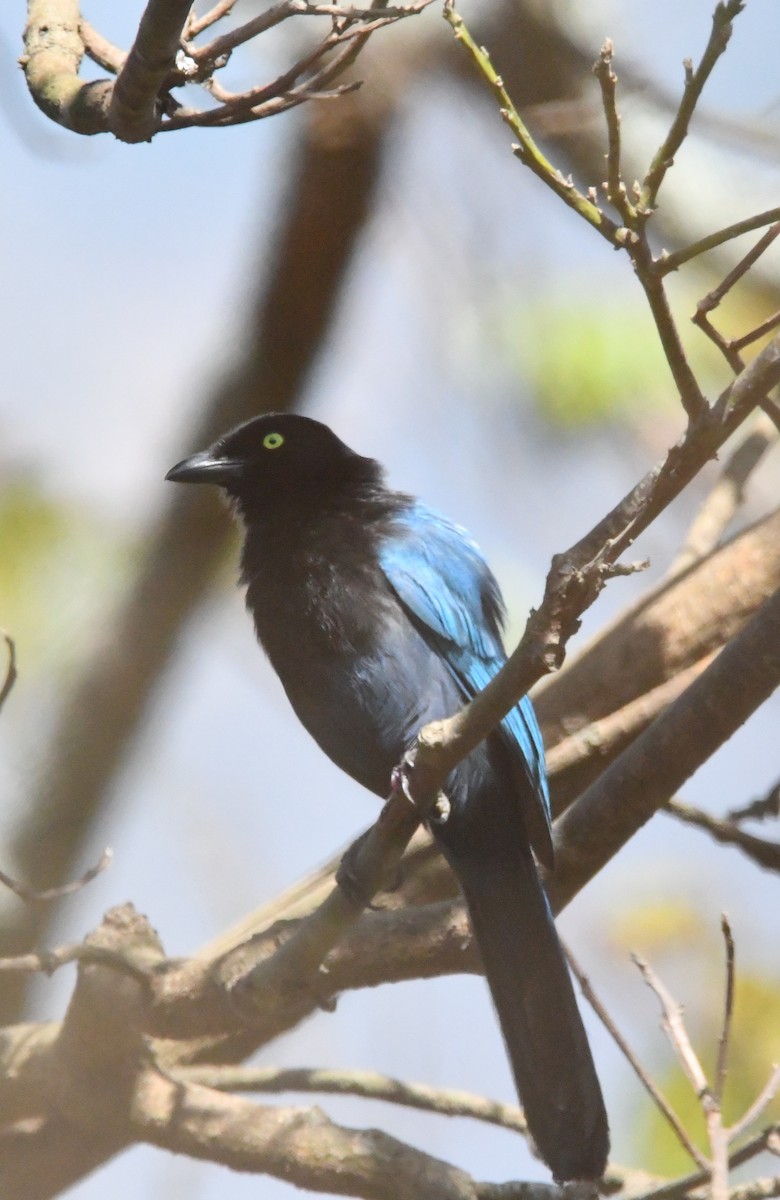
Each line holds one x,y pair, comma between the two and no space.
379,615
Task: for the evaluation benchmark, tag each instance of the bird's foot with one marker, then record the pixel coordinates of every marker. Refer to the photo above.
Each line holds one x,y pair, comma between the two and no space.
400,782
440,812
348,875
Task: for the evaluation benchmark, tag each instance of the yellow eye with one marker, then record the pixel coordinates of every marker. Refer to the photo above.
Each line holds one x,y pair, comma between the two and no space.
272,441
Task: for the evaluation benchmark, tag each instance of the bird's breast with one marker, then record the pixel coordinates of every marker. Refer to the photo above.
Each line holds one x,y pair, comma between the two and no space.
356,671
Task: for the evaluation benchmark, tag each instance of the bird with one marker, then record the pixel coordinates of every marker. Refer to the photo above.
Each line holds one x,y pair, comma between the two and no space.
379,615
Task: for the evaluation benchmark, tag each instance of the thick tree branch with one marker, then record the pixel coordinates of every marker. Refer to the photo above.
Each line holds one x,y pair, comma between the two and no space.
656,765
53,54
301,1146
135,102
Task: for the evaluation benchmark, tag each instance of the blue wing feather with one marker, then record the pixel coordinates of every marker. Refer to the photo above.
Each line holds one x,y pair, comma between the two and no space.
440,577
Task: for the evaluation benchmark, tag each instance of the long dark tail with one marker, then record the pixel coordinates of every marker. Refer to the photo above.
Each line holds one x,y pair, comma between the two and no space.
537,1010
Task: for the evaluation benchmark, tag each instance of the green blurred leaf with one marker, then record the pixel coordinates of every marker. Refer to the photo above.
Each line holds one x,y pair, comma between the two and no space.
659,927
60,566
593,363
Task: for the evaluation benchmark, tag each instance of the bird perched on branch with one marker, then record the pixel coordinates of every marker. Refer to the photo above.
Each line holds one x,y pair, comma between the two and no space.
379,616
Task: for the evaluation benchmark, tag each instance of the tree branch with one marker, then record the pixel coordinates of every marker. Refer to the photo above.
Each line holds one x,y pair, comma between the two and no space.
653,768
301,1146
135,103
722,27
370,1085
761,851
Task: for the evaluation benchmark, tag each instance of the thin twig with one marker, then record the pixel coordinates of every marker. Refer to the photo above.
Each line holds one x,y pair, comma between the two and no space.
527,150
223,9
658,1098
100,50
761,1102
616,189
673,261
721,1066
761,851
694,82
766,807
754,334
674,1026
366,20
10,670
31,896
342,43
370,1085
46,962
691,395
678,1188
713,298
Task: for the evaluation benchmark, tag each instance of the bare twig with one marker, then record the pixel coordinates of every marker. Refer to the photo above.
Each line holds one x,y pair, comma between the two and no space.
368,1084
577,577
757,1108
301,1146
765,853
10,669
31,896
527,150
46,962
721,1065
710,1097
102,52
140,104
758,810
722,20
198,24
677,1188
673,261
729,348
631,789
630,236
615,187
674,1027
658,1098
344,17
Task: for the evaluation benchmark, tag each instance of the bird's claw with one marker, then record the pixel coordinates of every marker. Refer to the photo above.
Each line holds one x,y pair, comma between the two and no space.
348,875
440,812
400,780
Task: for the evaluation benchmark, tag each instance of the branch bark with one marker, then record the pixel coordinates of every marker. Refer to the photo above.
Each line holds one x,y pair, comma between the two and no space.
656,765
135,102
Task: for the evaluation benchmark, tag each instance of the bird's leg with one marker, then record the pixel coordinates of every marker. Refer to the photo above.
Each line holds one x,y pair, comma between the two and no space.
348,874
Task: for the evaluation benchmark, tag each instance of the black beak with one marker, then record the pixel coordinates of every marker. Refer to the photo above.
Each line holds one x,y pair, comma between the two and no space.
205,467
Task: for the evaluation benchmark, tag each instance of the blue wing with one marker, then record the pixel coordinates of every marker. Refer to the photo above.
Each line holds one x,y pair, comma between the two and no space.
440,577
